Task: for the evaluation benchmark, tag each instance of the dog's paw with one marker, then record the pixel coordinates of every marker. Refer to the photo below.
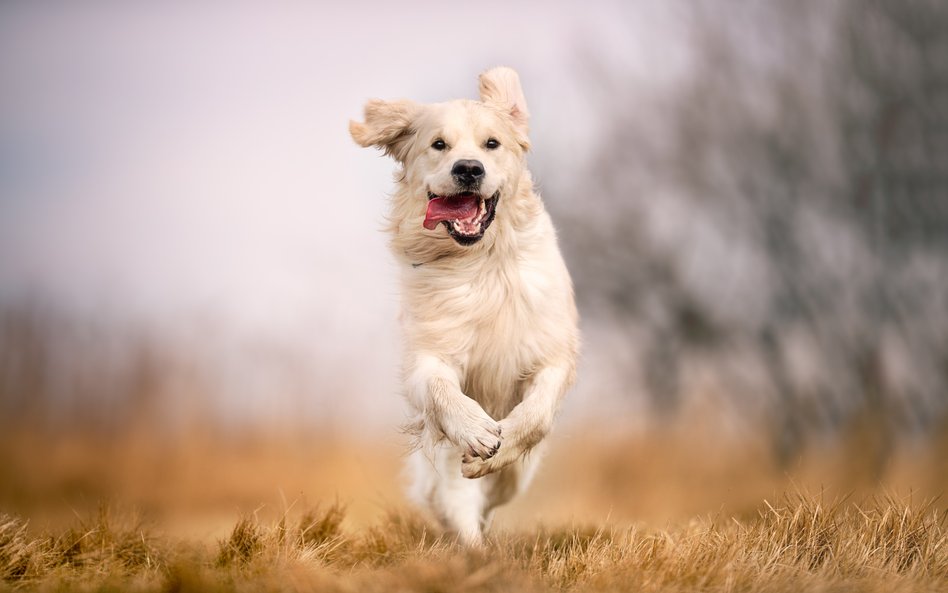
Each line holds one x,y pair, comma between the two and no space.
482,440
476,467
474,431
473,466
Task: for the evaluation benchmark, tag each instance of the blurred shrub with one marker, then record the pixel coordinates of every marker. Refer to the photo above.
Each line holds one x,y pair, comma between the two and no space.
773,229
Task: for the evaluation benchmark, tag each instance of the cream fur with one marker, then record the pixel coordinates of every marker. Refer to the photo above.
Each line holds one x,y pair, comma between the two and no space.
491,337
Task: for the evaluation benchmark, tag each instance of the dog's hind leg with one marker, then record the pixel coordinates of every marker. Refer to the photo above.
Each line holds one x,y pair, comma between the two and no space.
502,486
457,502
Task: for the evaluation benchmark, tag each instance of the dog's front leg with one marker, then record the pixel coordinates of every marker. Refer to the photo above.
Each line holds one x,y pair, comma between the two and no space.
527,423
434,389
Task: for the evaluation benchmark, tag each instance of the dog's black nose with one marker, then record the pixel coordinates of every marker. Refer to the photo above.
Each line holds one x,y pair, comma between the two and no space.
468,172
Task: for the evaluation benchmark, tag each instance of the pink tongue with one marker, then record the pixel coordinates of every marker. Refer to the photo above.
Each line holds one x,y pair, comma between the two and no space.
450,208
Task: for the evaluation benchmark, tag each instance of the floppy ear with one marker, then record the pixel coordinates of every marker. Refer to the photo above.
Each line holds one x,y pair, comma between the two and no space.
388,125
501,86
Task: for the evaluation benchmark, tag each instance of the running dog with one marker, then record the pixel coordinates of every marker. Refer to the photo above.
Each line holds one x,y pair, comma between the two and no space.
488,315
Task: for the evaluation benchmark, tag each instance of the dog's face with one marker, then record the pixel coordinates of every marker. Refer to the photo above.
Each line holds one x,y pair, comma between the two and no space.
460,159
464,155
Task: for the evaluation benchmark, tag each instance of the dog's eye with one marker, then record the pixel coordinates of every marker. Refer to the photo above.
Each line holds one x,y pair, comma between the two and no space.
439,144
491,143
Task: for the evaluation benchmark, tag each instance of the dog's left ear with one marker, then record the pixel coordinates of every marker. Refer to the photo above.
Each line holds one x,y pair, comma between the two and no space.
388,125
501,86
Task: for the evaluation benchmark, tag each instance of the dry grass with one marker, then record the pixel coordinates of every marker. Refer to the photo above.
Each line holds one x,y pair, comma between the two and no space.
801,543
661,512
678,507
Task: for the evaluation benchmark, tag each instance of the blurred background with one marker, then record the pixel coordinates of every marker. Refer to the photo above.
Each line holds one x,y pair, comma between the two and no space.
198,308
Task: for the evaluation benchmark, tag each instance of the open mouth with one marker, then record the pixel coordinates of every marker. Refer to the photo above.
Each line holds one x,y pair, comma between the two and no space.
466,215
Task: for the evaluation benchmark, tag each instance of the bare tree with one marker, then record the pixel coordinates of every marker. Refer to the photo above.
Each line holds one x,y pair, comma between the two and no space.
790,215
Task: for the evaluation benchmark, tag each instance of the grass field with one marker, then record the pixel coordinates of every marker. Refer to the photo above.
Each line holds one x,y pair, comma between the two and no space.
801,543
674,510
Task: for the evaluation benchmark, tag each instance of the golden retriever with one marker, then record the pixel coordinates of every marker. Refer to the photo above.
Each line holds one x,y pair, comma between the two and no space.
488,315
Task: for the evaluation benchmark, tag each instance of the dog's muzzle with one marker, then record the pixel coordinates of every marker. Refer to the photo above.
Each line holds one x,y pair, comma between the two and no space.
466,214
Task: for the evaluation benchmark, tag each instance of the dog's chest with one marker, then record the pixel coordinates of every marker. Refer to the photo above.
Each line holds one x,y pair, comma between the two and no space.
488,321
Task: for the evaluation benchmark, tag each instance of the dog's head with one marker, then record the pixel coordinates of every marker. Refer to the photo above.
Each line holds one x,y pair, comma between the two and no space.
460,159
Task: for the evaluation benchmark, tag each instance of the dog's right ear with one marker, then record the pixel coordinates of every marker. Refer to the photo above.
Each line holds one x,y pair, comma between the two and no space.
388,125
501,86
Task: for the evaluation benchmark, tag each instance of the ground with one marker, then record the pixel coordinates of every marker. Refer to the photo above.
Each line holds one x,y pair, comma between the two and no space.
671,510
